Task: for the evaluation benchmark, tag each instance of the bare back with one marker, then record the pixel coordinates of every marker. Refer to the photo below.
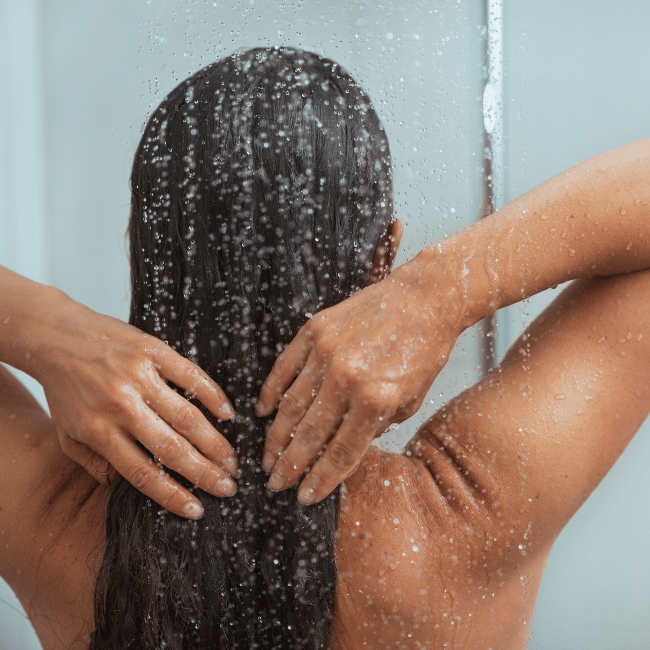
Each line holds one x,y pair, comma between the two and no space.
402,579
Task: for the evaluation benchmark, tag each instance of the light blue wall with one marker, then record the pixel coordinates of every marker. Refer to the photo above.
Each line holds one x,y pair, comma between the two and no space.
576,84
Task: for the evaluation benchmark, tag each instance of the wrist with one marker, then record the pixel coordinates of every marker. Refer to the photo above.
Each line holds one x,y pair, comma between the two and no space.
465,271
53,335
33,331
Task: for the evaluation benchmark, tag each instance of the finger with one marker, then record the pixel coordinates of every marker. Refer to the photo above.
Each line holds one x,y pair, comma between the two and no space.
285,369
194,381
316,428
177,454
188,421
97,466
139,469
343,452
295,403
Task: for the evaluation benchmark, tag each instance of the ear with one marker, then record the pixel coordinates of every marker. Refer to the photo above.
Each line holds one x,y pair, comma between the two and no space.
386,251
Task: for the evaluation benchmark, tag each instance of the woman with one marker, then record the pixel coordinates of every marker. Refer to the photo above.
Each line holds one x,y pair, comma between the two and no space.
441,547
261,194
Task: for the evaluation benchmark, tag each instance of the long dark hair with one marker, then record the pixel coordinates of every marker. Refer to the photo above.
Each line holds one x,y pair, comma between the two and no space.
261,189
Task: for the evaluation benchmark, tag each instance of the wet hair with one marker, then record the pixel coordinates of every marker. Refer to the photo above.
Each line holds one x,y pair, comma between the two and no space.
261,189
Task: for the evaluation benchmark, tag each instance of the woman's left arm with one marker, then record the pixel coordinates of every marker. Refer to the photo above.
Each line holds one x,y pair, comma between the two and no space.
106,387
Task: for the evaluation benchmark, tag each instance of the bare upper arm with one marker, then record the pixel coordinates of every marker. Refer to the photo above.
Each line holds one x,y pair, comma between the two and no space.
533,439
40,488
28,439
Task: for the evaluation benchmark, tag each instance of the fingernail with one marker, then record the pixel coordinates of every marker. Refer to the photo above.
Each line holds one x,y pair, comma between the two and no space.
231,466
228,411
261,409
193,511
276,482
306,496
227,487
268,461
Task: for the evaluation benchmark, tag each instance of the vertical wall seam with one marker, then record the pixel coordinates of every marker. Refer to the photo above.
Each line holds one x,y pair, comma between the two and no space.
493,154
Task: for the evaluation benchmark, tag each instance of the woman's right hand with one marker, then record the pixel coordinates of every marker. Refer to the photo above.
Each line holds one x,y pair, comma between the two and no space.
369,361
352,371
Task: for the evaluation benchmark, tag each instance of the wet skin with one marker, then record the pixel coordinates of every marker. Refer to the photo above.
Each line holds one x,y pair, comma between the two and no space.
442,547
369,361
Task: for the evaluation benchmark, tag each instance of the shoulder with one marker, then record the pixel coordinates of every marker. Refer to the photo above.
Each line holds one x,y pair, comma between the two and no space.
397,517
408,541
437,490
42,494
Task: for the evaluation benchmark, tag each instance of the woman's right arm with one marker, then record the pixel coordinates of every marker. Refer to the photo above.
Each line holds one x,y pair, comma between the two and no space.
370,360
525,447
591,220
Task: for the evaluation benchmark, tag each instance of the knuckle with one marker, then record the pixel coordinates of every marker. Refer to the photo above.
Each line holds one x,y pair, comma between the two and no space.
204,476
341,455
169,449
325,345
281,363
411,409
380,399
116,397
184,419
155,350
291,406
349,369
341,371
390,404
310,435
317,324
143,373
94,429
143,475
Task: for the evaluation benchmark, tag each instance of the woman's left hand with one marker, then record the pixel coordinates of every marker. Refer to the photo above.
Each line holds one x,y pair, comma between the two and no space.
106,386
